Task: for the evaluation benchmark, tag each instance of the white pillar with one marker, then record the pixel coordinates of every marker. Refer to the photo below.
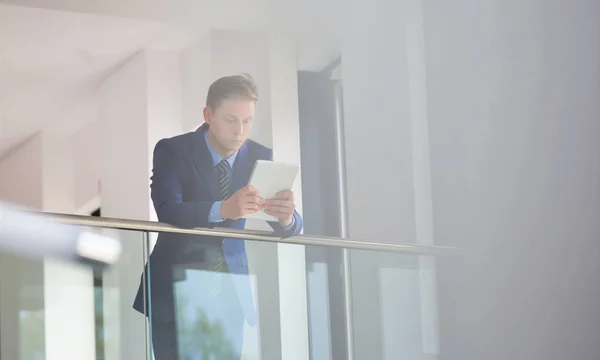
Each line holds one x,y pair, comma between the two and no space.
139,104
271,61
286,144
21,183
388,175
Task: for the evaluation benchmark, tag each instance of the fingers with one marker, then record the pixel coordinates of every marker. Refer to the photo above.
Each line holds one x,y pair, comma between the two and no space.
282,206
250,190
249,194
249,202
285,195
279,212
279,203
251,207
245,201
255,200
249,211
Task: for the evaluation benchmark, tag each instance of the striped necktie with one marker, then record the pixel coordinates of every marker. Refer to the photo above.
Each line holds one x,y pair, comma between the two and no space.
224,179
214,285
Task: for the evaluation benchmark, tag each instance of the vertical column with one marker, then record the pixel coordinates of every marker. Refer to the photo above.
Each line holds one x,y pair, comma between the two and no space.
11,326
272,63
21,183
286,144
387,174
139,104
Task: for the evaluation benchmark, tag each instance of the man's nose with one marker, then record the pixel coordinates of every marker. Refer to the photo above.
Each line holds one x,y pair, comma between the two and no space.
239,129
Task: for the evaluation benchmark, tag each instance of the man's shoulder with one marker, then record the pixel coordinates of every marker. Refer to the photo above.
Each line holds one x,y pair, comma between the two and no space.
178,141
258,151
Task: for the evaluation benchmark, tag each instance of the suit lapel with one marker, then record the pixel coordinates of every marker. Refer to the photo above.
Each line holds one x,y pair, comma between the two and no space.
204,165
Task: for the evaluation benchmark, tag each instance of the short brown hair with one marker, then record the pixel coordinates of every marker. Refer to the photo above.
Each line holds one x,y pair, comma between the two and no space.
231,88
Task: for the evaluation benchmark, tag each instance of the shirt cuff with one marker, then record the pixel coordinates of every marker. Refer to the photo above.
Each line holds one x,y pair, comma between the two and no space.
214,214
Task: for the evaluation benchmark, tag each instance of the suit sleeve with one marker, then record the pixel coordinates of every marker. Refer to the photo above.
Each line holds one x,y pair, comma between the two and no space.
291,230
167,194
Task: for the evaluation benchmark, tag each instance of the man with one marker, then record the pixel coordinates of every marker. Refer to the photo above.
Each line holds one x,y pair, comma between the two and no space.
199,180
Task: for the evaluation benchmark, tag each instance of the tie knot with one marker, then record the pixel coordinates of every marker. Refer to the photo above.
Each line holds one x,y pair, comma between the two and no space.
223,166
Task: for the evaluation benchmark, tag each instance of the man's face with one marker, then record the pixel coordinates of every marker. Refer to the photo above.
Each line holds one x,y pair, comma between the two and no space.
230,124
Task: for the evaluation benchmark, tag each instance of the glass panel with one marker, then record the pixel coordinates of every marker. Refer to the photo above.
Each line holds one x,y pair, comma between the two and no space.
203,302
392,299
325,303
22,308
62,310
124,330
319,311
209,304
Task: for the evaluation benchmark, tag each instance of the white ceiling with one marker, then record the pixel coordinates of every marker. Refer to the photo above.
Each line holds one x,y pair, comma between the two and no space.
54,53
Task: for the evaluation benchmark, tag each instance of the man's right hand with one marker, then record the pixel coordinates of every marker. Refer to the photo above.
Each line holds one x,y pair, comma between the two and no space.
244,202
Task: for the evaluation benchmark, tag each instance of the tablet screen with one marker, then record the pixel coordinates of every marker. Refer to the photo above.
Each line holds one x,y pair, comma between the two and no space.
269,178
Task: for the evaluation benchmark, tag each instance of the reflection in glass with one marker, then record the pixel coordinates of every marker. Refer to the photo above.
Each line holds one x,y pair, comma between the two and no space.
202,328
32,335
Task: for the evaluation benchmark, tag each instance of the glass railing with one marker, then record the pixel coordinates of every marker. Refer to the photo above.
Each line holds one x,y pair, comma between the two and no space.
204,299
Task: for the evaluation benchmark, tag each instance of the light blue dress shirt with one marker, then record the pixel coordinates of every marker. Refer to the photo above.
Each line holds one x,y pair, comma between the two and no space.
214,215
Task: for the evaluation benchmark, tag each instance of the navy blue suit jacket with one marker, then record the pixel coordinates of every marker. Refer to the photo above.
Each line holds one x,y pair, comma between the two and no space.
183,189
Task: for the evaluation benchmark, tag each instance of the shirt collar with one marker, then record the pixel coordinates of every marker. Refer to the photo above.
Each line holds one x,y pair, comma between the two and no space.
216,158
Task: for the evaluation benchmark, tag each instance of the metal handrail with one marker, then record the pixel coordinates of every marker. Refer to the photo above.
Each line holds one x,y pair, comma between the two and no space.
151,226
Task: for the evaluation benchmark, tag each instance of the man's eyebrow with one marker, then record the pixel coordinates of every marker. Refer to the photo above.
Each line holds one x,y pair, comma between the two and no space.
235,117
231,115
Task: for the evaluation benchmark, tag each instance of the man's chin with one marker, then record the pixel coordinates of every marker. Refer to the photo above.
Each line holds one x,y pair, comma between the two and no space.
235,145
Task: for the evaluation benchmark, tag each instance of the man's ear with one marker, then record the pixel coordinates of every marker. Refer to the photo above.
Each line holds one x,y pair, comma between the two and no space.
208,115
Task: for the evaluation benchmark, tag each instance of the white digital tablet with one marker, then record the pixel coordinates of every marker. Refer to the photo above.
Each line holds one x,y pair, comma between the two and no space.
269,178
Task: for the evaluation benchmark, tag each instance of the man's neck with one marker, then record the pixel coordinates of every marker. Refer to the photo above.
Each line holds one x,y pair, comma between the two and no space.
225,154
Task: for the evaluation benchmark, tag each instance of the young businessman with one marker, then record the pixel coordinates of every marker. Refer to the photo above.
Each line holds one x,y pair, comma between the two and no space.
200,180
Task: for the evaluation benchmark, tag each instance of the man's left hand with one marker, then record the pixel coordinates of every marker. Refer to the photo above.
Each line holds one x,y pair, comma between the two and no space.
282,207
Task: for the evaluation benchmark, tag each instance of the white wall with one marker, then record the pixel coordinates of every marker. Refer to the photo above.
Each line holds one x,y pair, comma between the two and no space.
86,148
57,174
123,108
70,173
21,175
513,95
